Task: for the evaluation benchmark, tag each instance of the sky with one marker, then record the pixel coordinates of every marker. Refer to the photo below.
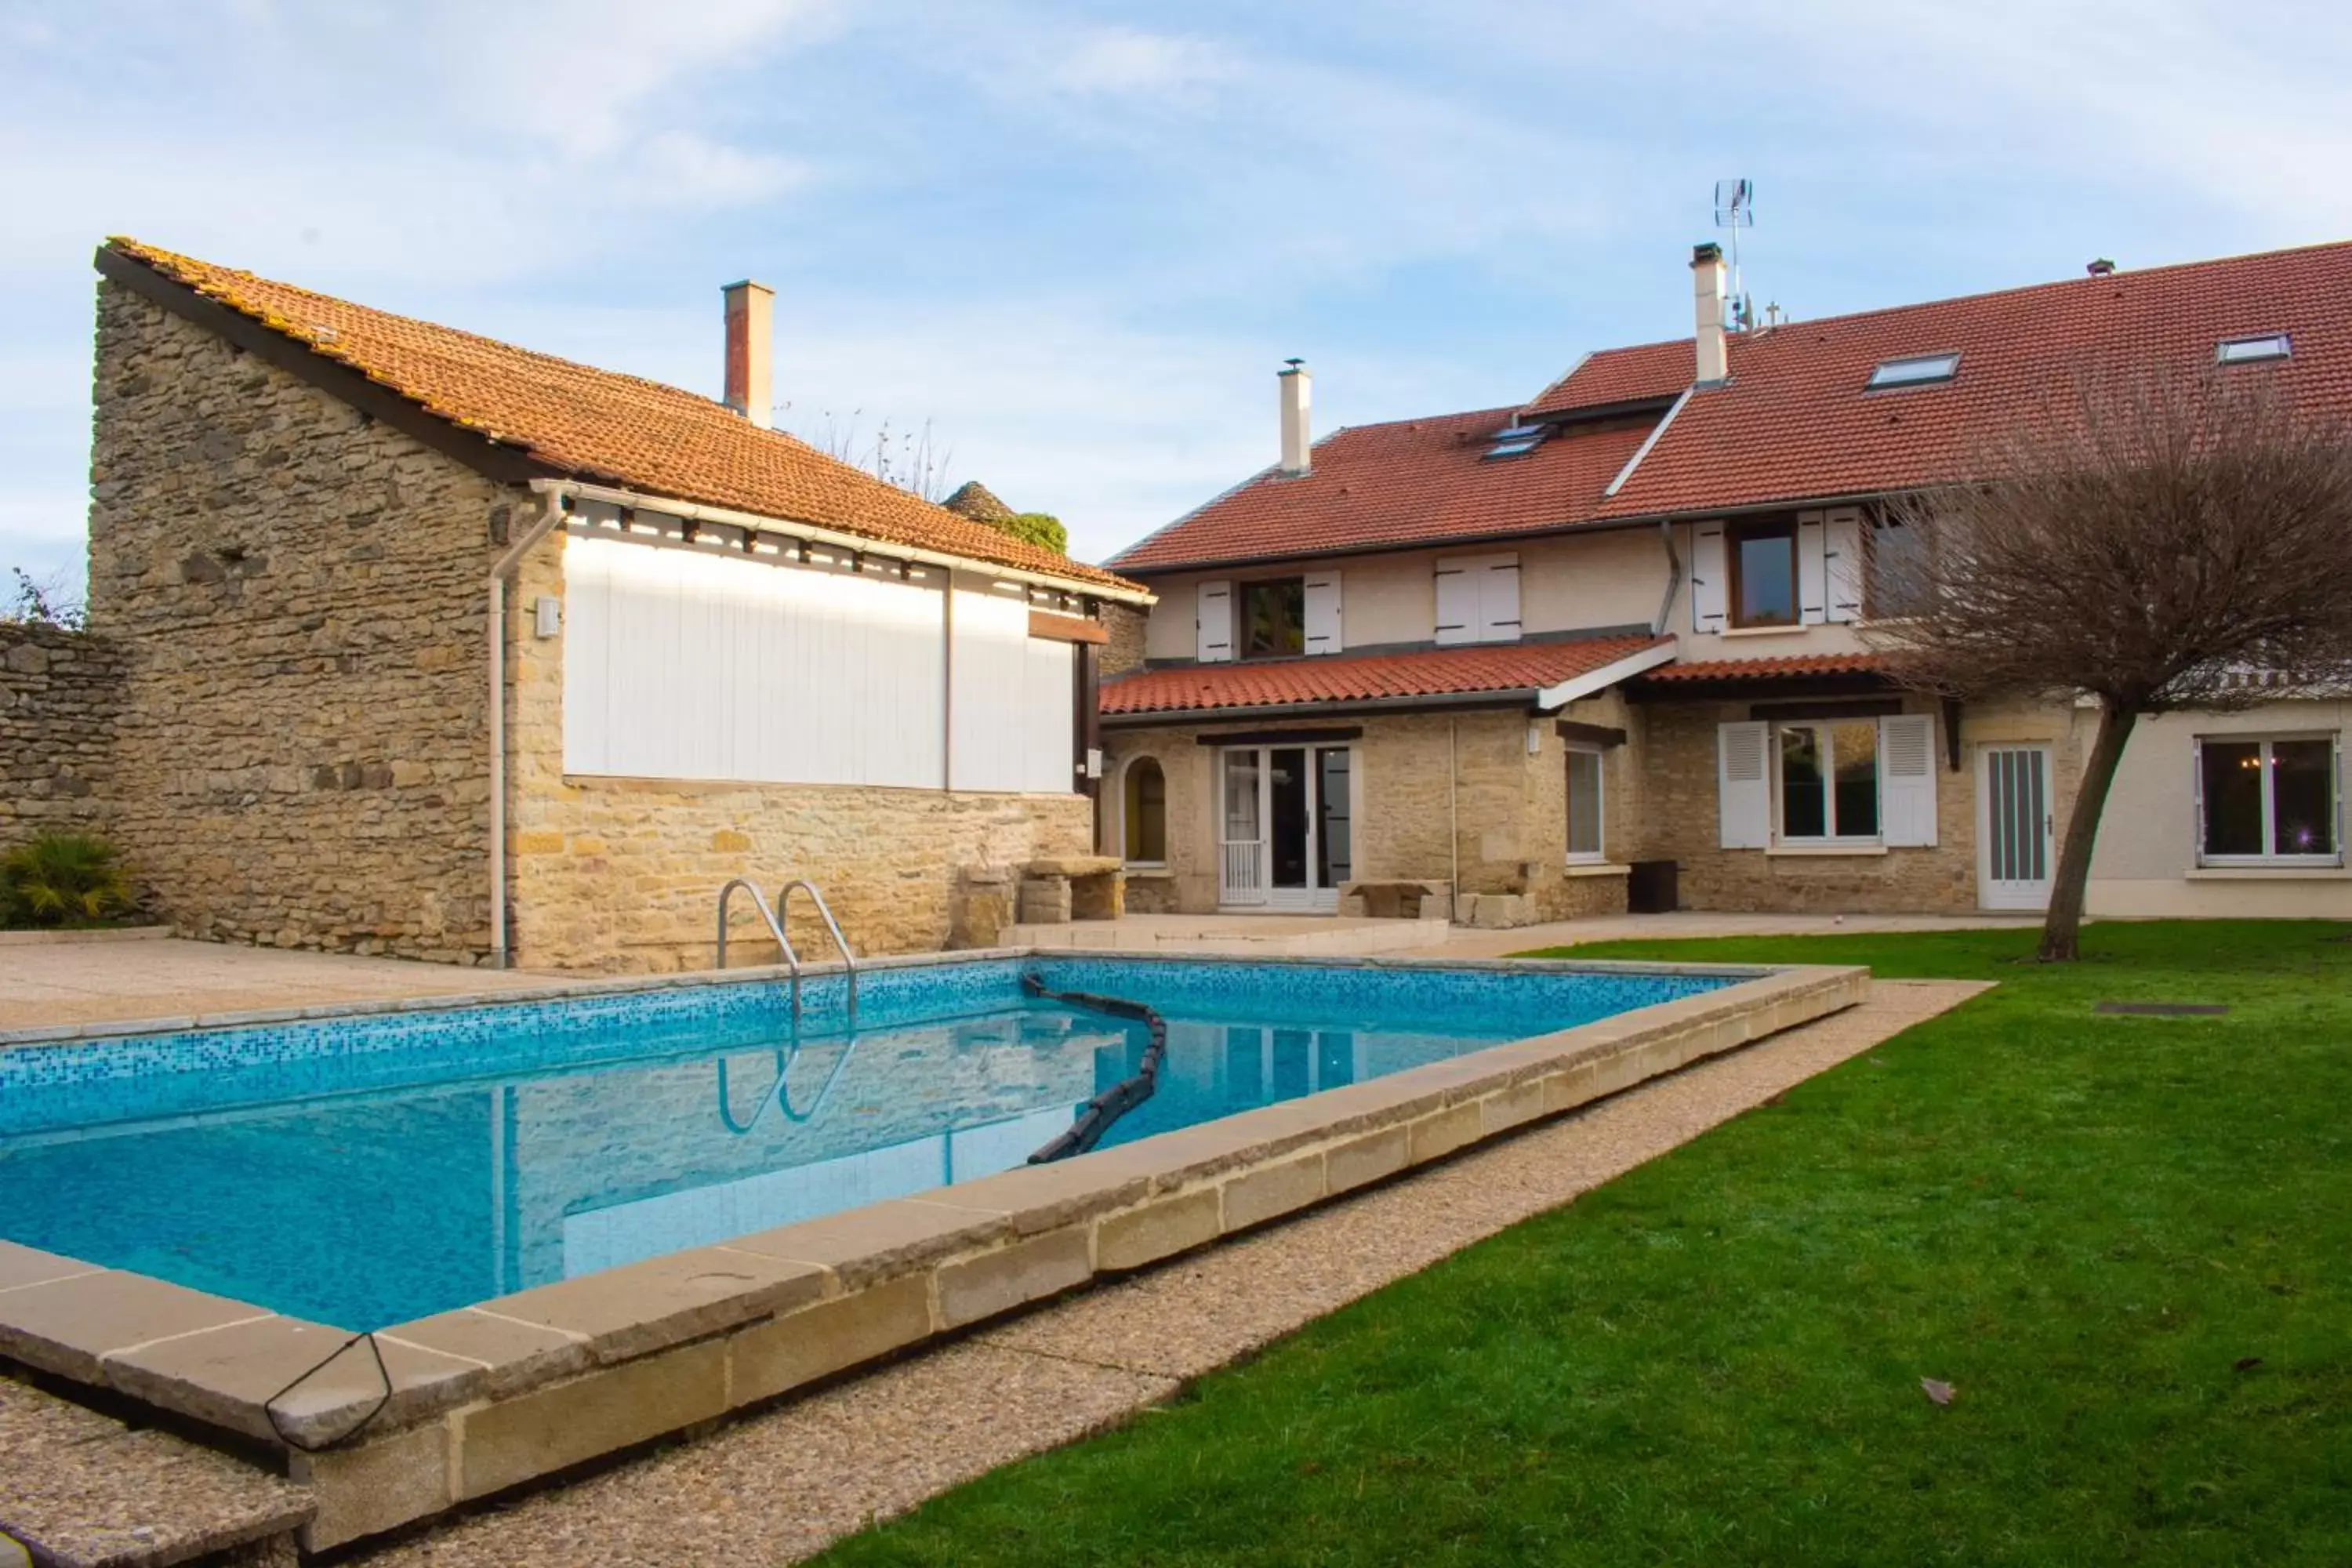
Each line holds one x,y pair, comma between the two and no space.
1075,241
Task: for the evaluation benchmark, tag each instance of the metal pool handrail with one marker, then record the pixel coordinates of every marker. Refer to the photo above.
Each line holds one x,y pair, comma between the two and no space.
775,923
779,1094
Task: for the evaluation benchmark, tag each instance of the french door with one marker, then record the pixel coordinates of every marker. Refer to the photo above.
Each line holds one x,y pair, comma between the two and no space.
2016,827
1285,838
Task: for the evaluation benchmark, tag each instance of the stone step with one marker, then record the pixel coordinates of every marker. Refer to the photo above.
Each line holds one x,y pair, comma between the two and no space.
78,1488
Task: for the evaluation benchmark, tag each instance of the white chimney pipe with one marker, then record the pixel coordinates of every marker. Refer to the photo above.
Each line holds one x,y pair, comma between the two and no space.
750,351
1298,393
1709,296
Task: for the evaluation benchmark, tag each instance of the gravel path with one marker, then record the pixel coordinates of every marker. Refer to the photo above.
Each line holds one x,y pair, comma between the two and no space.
778,1487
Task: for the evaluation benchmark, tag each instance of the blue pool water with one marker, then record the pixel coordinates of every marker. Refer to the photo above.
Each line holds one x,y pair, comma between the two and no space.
365,1171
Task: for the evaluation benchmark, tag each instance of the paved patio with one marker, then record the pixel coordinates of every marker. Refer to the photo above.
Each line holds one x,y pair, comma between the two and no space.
58,983
63,982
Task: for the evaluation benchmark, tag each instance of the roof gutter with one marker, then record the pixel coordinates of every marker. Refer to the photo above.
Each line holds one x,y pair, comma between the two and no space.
579,489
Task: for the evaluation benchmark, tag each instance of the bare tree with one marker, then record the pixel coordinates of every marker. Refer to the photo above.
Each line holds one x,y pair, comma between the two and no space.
2156,543
909,457
51,600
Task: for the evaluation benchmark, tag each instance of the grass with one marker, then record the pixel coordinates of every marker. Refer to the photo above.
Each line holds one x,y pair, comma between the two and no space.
2125,1242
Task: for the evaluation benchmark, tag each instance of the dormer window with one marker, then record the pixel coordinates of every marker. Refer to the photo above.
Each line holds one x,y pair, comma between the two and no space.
2245,350
1918,370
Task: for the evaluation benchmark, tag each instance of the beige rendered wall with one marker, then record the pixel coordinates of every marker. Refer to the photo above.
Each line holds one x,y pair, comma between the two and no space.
295,594
2146,859
622,875
1573,583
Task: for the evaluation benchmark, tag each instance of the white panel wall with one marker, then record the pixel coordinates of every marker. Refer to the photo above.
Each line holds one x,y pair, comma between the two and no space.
679,665
1015,697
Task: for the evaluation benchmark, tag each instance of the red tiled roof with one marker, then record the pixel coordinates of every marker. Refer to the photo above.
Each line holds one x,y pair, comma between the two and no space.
1415,481
1649,373
602,425
1794,423
1430,672
1771,669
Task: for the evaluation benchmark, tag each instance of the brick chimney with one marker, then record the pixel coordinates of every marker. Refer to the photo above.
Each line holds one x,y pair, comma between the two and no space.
751,350
1297,389
1708,298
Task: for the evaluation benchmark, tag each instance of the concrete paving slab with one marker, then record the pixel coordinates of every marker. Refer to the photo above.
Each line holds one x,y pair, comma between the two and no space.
48,984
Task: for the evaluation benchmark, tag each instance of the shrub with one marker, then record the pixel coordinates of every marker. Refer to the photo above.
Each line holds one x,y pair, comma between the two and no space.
62,879
1038,528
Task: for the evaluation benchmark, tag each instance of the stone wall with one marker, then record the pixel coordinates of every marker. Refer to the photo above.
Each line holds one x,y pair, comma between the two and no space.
297,592
1438,797
1126,624
1682,822
59,691
622,875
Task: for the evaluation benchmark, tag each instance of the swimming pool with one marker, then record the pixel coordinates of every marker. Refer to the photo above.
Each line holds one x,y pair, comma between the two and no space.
369,1170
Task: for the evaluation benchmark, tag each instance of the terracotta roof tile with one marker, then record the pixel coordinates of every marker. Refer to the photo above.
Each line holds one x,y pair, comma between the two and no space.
1795,423
1648,372
1413,481
599,423
1430,672
1771,669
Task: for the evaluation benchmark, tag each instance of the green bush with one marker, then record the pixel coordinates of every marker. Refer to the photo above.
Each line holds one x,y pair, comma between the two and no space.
62,880
1038,528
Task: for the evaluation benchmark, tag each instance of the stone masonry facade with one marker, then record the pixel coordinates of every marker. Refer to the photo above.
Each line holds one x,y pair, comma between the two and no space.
280,711
57,695
1478,799
296,591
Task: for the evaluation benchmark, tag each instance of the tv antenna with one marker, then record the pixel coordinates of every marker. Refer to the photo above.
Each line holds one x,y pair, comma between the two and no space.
1735,209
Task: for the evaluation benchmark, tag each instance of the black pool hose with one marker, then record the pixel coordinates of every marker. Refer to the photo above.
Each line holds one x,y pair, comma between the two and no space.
1096,1117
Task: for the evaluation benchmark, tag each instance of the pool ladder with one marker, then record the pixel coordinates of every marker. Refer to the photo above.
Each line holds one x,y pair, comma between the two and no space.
775,919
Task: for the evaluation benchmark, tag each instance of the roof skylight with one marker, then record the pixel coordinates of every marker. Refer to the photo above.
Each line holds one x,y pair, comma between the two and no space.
2239,351
1517,440
1918,370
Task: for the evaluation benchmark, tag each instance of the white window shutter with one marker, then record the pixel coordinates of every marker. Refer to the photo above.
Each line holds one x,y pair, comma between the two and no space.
1710,577
1845,535
1743,783
1906,781
1812,570
1214,615
1457,604
1498,601
1323,613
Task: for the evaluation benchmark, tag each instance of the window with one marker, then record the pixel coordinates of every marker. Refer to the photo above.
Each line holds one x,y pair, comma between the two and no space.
2268,801
1146,813
1517,440
1274,617
1828,781
1477,598
2239,351
1918,370
1764,574
1898,554
1584,805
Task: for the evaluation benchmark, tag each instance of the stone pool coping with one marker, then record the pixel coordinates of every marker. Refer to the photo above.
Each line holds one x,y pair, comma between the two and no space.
487,1397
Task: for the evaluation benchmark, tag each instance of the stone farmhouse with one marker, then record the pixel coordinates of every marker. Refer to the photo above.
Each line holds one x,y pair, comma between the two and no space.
1602,649
403,640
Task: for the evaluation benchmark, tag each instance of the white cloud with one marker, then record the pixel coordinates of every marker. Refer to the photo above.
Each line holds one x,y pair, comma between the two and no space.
1123,61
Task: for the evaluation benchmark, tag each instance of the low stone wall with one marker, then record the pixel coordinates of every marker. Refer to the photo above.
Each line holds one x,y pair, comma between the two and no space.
59,694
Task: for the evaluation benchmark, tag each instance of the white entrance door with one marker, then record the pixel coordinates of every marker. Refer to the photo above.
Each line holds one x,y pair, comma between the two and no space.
2016,827
1285,838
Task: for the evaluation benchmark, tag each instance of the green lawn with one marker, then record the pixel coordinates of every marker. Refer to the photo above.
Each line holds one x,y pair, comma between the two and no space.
2127,1242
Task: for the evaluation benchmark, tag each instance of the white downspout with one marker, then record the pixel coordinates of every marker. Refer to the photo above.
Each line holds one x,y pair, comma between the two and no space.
550,501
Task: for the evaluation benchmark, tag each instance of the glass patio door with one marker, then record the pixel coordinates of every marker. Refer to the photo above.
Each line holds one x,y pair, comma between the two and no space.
1285,839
